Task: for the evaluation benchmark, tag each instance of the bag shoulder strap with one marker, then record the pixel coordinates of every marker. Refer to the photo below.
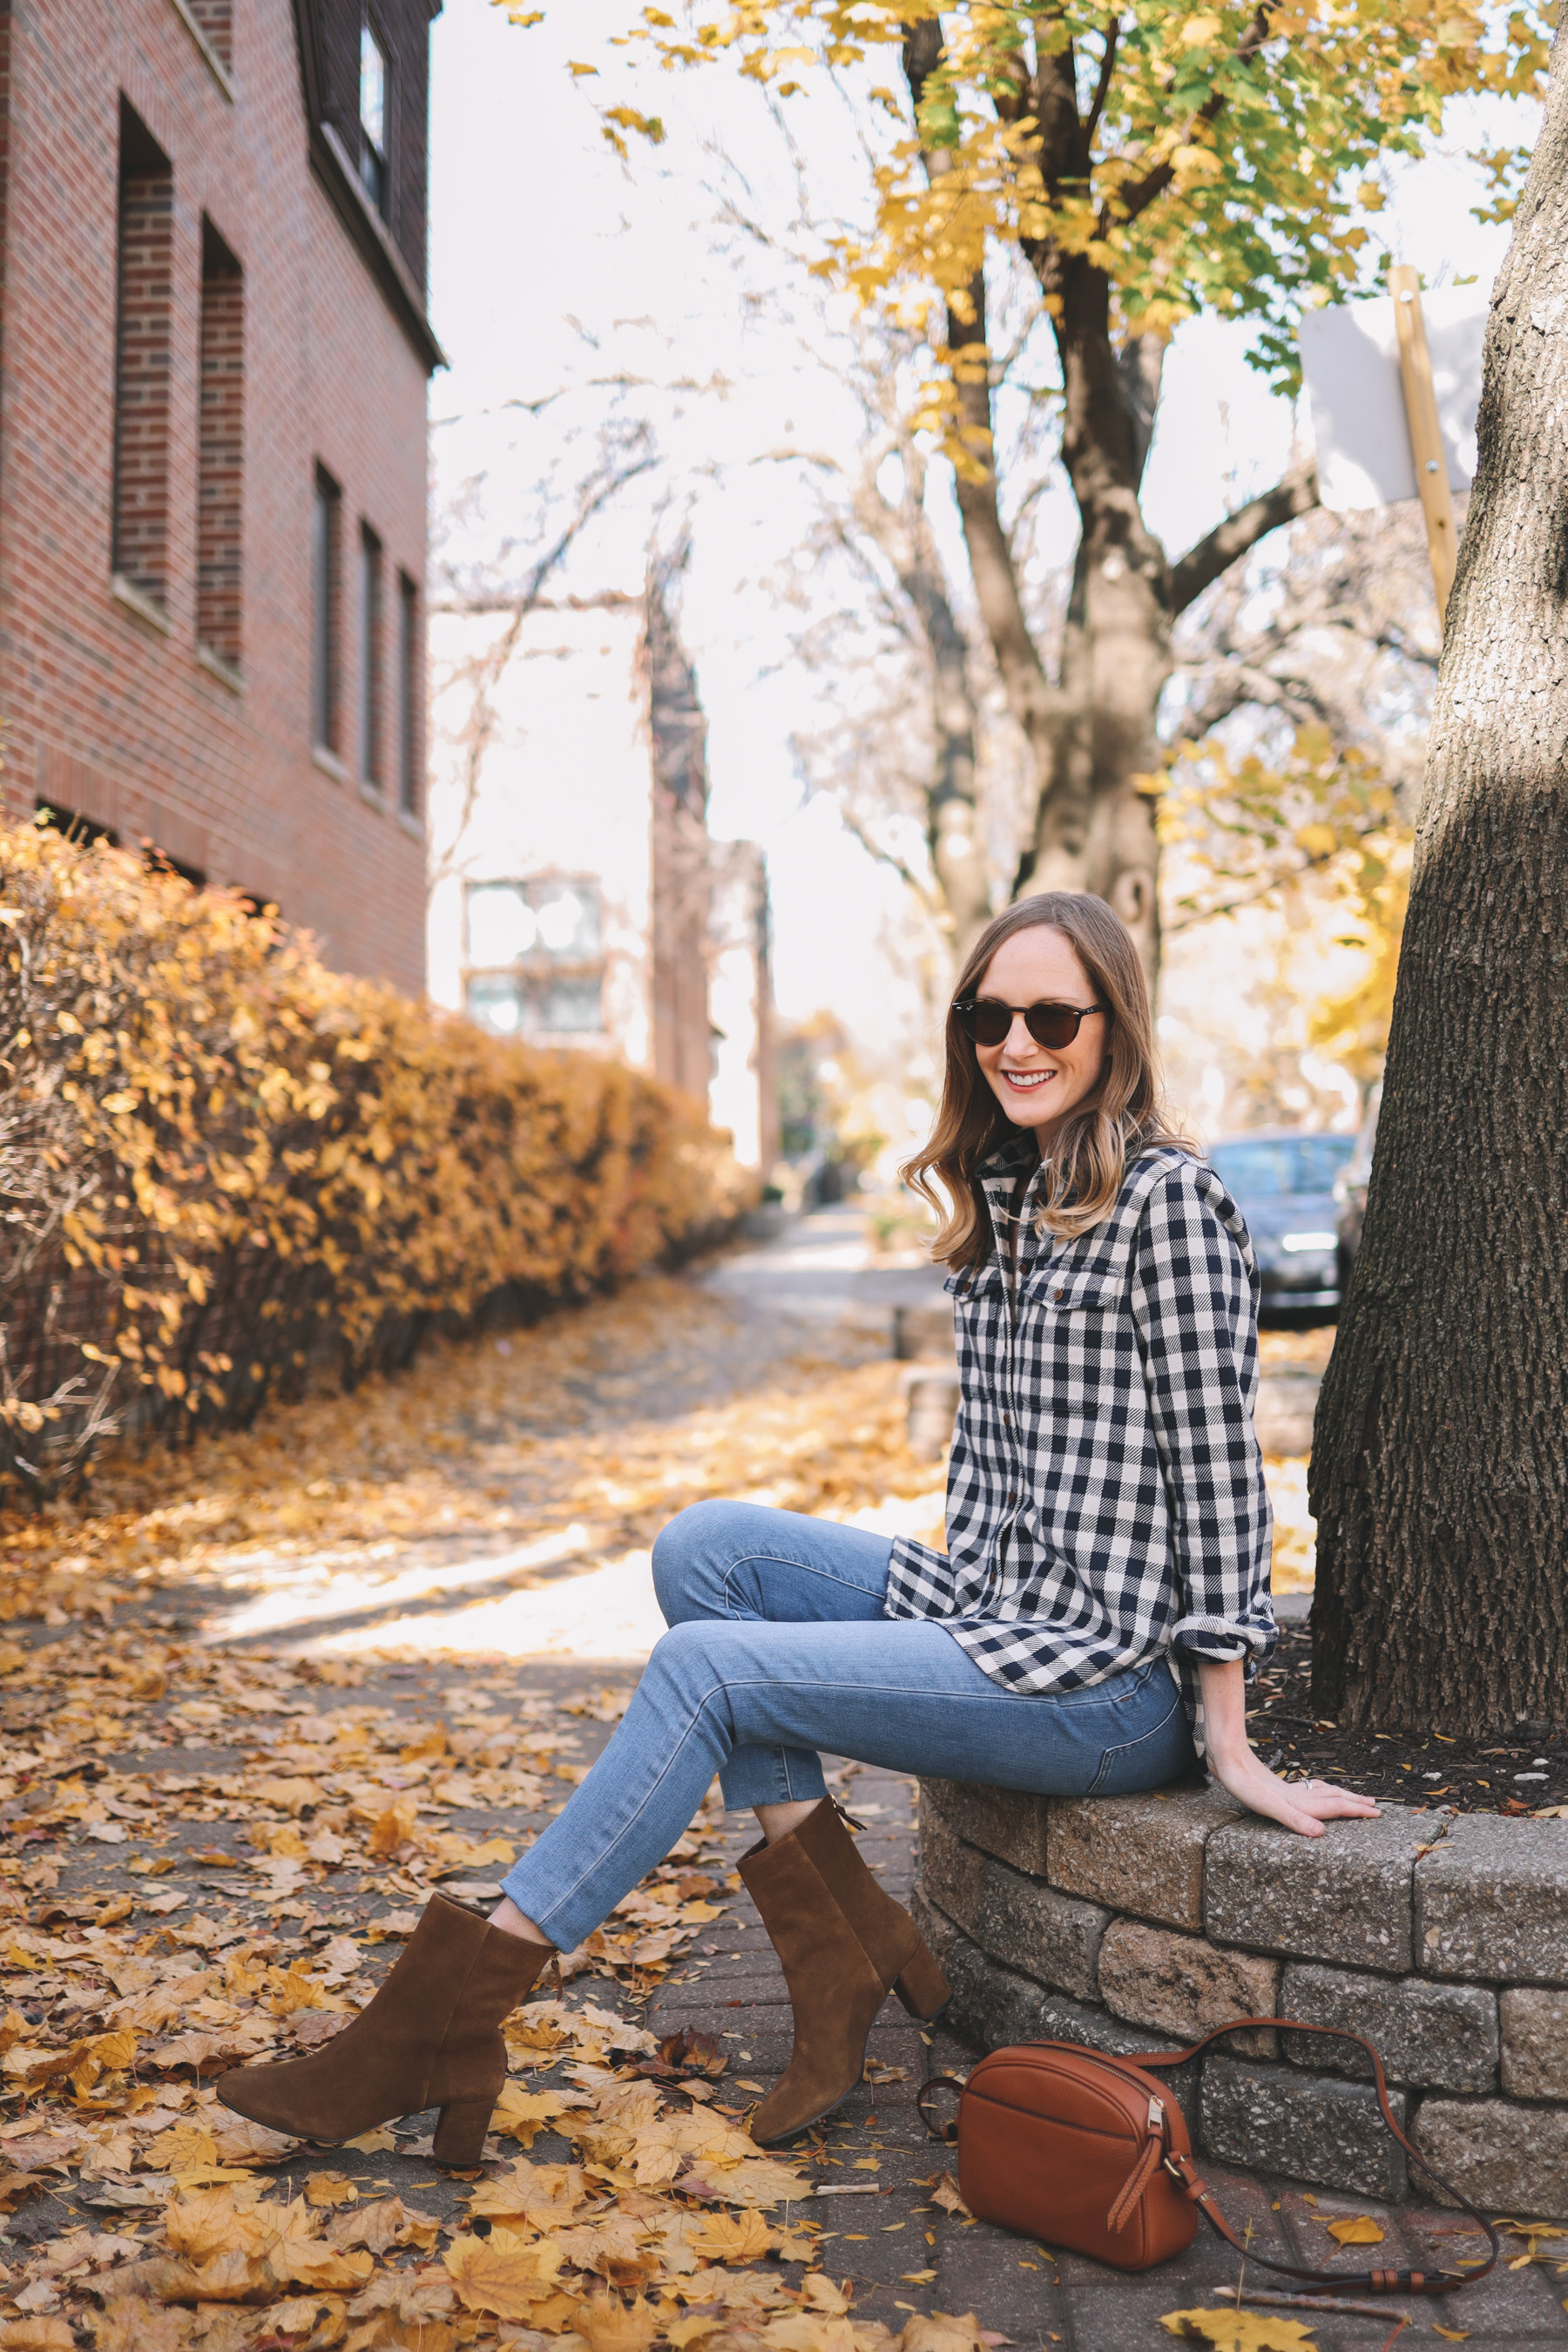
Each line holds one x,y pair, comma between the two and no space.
1379,2281
1181,2170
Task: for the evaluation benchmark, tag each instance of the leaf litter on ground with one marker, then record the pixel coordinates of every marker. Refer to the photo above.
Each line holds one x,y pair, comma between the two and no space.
173,1818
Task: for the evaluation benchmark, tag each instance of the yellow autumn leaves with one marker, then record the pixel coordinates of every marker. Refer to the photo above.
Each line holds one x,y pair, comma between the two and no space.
225,1164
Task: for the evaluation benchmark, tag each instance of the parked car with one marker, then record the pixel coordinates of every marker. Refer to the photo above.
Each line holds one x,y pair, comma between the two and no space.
1282,1181
1350,1188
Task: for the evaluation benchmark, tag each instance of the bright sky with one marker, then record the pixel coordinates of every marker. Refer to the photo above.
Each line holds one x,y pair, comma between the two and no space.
553,265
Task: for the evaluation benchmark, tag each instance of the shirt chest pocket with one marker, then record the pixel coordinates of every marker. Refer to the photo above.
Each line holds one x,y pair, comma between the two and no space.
1071,1295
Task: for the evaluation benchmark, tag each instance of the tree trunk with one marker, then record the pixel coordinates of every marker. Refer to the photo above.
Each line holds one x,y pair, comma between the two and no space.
1090,730
1441,1468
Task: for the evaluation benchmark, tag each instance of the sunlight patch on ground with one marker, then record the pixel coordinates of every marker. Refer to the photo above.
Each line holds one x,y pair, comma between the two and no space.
1295,1528
609,1611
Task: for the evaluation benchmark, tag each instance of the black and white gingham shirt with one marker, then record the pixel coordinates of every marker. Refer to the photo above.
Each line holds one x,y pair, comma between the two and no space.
1105,1496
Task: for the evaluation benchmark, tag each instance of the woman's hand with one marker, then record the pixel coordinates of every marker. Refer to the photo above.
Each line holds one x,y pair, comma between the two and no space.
1299,1805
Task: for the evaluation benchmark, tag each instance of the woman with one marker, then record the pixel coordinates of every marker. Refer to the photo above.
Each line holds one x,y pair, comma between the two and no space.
1086,1632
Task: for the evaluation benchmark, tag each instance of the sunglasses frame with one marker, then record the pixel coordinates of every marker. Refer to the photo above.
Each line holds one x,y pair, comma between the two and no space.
965,1008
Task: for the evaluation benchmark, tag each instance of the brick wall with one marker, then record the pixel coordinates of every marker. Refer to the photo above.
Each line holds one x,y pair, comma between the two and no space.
144,239
180,711
220,451
402,28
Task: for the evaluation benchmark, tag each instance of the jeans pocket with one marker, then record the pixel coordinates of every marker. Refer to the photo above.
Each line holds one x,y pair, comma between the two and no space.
1156,1757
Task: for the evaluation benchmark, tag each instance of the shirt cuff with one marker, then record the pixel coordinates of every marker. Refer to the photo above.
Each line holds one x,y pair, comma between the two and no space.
1222,1640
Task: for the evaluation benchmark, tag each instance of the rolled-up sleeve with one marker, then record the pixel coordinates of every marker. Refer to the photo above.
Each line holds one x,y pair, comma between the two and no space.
1196,1314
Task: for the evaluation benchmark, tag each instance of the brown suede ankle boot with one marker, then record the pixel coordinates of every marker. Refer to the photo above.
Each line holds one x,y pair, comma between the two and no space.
889,1937
834,1991
430,2038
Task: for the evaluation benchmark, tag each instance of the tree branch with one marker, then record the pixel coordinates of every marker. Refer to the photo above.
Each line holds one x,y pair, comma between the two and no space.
1102,87
1203,564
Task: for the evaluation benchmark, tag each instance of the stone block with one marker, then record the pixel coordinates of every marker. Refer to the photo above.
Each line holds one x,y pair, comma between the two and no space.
1142,1854
1492,1900
995,2007
1185,1987
950,1869
1312,2127
1344,1897
1001,1821
935,1926
1504,2158
1437,2037
1534,2042
1042,1933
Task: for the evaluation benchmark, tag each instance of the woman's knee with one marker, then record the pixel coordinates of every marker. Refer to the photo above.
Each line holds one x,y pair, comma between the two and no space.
685,1581
682,1676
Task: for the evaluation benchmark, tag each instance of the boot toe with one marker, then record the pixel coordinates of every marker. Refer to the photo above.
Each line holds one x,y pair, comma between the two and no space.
264,2094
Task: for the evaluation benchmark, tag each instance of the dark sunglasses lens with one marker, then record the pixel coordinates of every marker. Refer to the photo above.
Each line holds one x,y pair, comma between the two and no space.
1052,1024
985,1020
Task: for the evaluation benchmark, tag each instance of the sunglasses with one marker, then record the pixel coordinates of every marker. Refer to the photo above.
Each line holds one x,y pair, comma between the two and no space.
989,1022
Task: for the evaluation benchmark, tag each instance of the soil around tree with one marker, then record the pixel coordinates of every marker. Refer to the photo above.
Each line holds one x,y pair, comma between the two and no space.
1526,1774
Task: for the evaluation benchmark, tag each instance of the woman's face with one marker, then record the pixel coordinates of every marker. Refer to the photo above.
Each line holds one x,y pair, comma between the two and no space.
1036,1086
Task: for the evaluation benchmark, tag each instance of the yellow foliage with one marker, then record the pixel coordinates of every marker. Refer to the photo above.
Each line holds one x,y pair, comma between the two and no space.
1252,832
225,1164
1225,166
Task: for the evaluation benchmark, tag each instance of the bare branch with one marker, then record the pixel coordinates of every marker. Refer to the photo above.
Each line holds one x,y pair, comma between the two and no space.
1203,564
1102,87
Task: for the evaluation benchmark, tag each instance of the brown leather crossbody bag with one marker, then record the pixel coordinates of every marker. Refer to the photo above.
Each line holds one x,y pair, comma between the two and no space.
1082,2150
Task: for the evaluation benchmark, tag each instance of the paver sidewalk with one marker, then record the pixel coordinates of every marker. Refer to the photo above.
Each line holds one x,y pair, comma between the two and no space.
735,1988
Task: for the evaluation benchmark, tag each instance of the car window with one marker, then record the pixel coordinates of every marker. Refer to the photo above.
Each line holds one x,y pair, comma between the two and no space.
1282,1164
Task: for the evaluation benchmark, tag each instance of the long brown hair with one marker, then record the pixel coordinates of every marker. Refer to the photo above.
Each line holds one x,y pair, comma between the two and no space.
1122,1114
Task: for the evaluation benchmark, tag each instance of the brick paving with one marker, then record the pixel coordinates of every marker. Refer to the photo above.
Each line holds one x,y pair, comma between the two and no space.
733,1988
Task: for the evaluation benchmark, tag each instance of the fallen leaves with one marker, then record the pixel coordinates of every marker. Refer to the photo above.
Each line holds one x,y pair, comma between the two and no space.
1239,2331
1359,2229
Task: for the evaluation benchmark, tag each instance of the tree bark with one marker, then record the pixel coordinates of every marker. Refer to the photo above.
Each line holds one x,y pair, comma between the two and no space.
1440,1467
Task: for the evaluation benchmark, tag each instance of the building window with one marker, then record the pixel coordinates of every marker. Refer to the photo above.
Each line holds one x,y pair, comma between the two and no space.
326,635
410,698
370,657
374,115
220,448
535,959
143,337
215,18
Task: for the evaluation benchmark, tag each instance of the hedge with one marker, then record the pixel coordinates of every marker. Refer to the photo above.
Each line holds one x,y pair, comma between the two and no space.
223,1163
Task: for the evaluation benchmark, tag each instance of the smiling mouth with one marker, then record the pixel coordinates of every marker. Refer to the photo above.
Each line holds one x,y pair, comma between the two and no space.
1028,1079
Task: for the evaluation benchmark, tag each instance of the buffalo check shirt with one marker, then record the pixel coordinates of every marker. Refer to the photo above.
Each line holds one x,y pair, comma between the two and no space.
1105,1495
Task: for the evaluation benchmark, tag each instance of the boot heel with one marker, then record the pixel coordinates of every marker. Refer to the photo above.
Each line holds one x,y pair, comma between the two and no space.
460,2131
922,1988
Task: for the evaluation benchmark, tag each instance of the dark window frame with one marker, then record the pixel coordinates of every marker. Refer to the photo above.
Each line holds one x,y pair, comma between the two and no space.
326,614
377,165
371,613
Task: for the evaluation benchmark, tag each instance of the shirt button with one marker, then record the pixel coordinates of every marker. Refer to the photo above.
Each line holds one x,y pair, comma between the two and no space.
1059,1294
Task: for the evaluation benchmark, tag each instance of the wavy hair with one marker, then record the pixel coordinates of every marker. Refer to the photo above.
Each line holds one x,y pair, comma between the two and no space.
1122,1114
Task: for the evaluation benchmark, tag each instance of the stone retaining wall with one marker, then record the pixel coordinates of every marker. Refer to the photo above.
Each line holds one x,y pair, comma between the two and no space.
1135,1924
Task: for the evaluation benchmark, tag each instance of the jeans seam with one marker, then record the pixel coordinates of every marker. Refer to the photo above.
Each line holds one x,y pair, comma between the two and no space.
1125,1747
782,1559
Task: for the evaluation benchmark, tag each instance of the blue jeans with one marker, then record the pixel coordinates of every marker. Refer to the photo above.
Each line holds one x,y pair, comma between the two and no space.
777,1647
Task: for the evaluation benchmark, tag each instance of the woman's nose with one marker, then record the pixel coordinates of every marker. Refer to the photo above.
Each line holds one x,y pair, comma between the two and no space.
1018,1038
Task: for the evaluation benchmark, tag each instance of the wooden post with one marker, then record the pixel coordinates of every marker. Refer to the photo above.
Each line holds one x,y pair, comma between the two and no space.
1426,435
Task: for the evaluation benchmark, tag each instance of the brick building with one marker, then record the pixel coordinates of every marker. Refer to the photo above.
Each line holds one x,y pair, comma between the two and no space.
577,896
214,355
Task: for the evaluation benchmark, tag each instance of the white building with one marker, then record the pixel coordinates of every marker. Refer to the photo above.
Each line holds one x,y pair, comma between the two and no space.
576,898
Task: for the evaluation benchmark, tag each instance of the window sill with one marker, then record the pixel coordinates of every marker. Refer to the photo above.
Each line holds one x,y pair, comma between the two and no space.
210,58
328,764
224,671
373,797
412,826
136,600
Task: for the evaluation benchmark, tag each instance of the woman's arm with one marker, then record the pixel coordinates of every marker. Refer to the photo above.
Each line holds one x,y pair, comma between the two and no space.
1301,1805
